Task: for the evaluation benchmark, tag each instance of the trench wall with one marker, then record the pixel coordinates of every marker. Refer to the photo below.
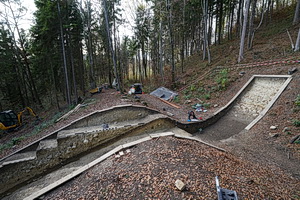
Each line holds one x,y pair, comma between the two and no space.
69,147
109,116
55,149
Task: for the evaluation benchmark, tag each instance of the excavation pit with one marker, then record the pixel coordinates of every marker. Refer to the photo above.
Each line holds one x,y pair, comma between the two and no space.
259,94
248,106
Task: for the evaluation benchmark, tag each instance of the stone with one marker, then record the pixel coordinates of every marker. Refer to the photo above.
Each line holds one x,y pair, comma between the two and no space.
121,153
273,127
85,141
216,105
273,135
295,139
291,71
242,73
286,129
170,114
179,185
188,101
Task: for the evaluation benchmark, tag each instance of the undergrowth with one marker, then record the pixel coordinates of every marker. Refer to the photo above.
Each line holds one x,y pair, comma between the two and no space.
222,79
297,101
296,122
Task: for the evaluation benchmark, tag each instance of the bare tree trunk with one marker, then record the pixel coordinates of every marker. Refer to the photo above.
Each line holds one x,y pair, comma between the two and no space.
231,13
183,36
216,25
110,46
90,48
210,24
291,40
133,67
139,66
297,46
220,21
242,44
64,56
108,57
205,38
268,12
161,67
82,72
259,25
271,10
144,59
171,40
73,72
251,23
204,30
238,22
297,13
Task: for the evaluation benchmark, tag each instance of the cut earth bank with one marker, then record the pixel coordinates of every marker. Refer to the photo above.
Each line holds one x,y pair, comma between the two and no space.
240,178
250,152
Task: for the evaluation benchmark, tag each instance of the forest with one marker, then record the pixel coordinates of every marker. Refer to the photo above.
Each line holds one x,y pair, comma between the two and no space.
76,45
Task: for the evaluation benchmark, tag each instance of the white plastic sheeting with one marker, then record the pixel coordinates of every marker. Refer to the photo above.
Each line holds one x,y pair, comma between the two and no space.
164,93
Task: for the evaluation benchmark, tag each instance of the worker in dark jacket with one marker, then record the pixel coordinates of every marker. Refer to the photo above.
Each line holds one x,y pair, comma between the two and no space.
191,115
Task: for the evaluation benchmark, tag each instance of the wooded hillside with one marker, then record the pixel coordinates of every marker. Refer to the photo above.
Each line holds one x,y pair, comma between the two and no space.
76,45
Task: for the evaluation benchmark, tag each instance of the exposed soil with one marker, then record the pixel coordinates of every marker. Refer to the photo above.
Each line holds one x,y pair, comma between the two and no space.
264,164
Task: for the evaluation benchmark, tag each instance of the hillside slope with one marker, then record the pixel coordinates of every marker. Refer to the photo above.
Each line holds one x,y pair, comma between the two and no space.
213,85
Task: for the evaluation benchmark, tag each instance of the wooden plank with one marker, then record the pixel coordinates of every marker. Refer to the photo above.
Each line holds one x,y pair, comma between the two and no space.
69,113
173,105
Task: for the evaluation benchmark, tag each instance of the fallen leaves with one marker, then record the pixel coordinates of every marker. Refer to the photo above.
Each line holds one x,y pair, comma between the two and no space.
152,174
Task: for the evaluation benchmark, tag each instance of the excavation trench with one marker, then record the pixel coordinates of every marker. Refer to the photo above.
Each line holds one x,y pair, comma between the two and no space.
86,137
249,107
